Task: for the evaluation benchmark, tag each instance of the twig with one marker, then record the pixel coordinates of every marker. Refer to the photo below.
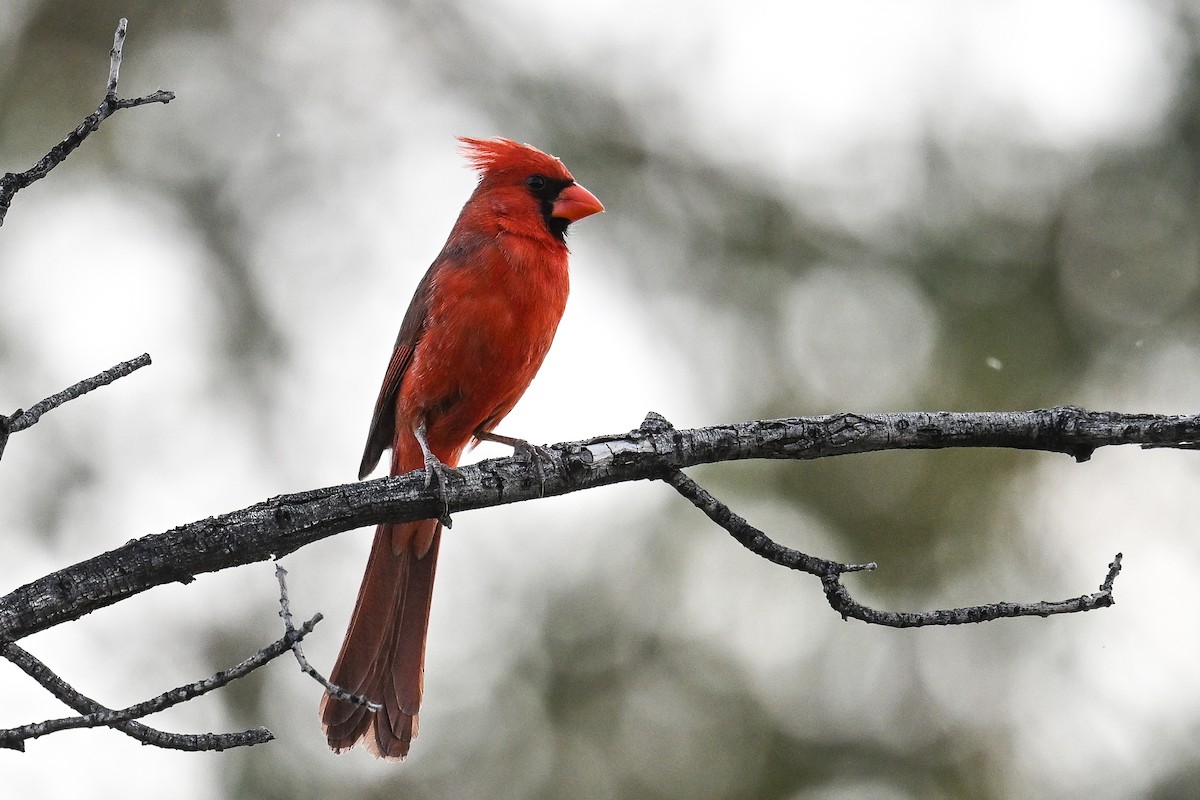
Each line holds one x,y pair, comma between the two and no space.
50,681
285,612
830,573
13,182
95,715
20,420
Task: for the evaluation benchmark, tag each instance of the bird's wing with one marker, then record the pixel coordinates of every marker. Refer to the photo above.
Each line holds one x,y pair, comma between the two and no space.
383,421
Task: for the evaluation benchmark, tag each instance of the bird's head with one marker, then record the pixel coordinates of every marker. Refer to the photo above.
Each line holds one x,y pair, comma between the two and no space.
516,173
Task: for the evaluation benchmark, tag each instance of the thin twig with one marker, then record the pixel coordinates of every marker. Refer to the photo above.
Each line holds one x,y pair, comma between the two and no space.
49,680
15,738
13,182
114,59
95,715
22,419
285,612
751,537
839,598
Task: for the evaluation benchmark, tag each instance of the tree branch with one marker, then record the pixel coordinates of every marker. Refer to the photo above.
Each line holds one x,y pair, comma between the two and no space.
830,573
20,420
95,715
13,182
285,613
283,524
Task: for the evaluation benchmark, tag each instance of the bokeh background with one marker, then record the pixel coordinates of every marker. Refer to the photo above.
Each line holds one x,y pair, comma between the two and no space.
812,207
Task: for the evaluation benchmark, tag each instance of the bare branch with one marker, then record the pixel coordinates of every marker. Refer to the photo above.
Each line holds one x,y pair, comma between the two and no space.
114,59
95,715
285,611
13,182
20,420
283,524
830,573
37,670
33,667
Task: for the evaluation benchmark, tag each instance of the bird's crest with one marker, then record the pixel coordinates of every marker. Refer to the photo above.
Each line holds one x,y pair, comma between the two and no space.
494,157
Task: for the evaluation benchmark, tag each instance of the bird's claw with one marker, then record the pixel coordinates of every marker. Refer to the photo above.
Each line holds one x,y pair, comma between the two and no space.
436,478
538,455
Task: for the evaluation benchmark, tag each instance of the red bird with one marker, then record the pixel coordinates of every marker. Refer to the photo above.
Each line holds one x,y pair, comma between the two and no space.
479,325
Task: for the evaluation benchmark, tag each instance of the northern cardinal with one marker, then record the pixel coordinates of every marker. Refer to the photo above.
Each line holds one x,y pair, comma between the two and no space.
477,329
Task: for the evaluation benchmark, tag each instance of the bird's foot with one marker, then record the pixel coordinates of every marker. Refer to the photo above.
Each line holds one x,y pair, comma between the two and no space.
435,473
538,455
437,477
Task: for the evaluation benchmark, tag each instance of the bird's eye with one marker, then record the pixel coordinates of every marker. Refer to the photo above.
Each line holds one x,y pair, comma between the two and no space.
536,183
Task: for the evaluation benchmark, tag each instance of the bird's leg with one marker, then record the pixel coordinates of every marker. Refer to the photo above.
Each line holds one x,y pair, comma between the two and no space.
539,455
434,468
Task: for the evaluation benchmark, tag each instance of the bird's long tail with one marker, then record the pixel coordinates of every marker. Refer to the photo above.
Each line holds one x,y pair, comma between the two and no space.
383,654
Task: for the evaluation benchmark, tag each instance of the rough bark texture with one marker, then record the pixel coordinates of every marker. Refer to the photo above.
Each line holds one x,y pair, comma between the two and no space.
288,522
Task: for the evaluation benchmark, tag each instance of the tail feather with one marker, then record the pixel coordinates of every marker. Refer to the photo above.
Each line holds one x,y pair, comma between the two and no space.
383,654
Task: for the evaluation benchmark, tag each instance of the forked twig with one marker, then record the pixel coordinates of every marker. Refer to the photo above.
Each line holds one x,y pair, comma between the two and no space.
839,598
94,715
285,612
13,182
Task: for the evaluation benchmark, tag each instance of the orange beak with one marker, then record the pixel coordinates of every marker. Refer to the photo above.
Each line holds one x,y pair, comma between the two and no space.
574,203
